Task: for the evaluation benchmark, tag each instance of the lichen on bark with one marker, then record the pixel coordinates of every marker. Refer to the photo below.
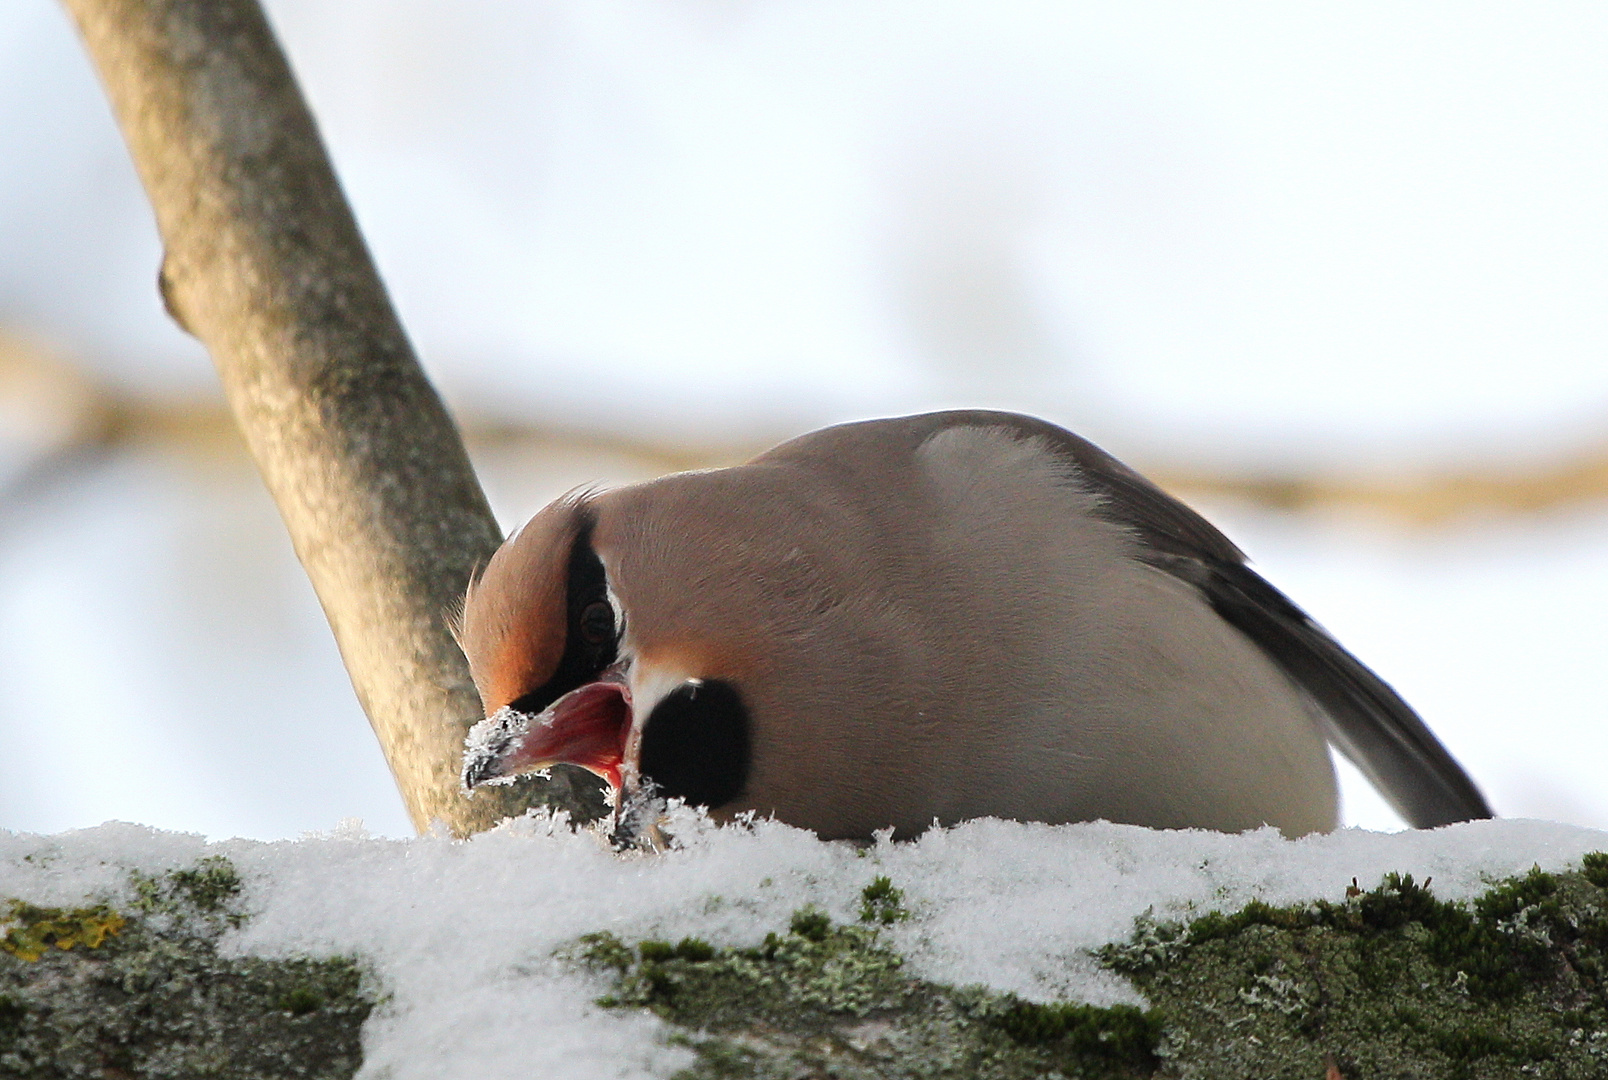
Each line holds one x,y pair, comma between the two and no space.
825,999
140,990
1391,982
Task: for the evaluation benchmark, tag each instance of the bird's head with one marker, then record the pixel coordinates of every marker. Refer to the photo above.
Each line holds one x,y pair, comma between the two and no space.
568,675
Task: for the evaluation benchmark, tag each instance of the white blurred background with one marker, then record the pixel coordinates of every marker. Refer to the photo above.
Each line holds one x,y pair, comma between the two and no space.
1239,240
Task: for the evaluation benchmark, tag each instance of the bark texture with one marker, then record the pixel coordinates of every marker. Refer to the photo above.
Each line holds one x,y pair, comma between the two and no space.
264,264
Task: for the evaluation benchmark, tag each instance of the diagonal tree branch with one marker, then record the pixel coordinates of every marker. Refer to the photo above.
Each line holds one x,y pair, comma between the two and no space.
264,264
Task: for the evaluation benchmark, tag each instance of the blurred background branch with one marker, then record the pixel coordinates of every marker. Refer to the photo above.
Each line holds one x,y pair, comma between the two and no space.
61,411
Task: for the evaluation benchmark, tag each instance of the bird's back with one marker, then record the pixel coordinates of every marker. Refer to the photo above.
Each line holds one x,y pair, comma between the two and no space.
939,624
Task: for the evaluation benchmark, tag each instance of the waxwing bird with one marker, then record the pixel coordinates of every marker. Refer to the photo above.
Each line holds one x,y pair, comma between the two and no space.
938,617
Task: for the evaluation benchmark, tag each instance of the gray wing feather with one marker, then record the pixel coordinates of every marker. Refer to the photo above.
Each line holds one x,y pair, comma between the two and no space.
1368,721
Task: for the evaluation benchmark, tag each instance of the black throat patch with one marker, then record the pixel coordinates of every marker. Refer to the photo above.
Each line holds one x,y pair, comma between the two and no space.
695,744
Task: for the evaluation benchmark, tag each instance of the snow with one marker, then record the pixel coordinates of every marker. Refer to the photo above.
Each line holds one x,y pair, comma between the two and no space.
490,738
462,933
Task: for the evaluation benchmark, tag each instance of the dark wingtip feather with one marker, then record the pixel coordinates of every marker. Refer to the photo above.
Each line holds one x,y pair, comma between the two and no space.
1370,722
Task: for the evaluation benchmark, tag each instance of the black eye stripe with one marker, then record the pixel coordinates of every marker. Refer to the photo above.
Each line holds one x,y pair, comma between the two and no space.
585,654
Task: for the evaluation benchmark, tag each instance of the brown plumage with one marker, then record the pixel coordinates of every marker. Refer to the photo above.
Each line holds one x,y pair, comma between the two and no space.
937,617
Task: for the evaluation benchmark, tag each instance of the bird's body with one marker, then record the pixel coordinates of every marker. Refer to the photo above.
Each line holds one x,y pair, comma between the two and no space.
937,617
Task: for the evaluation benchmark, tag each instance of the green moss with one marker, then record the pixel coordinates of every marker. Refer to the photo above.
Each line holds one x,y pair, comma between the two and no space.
810,924
694,951
831,1000
300,1001
603,950
690,949
12,1013
143,992
1594,865
1120,1033
1390,982
816,968
881,903
211,886
206,894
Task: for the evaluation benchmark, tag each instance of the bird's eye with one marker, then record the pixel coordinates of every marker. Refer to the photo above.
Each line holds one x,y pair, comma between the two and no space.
597,623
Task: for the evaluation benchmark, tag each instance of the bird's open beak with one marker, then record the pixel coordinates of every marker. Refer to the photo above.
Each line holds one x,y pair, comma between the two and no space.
587,727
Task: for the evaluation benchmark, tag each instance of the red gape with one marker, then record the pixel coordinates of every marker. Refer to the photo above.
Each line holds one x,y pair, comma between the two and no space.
586,727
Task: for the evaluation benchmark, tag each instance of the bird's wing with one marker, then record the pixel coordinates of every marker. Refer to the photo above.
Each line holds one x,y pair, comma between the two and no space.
1368,721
